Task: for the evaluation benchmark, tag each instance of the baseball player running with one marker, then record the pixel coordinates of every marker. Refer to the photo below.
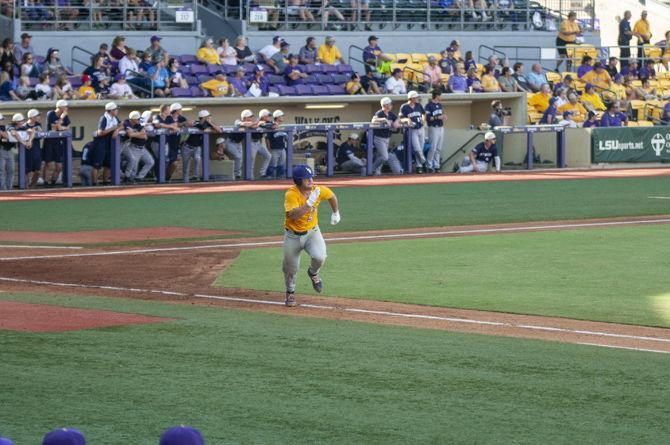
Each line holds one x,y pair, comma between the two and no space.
301,224
381,136
480,157
413,114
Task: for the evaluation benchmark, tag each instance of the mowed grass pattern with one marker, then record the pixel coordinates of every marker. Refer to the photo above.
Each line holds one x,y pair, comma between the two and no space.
246,377
362,208
605,274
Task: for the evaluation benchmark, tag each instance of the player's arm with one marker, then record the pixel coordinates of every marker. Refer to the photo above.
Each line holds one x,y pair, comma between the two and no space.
131,132
473,161
298,212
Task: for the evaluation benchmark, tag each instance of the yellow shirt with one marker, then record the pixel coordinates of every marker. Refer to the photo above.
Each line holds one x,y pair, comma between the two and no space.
642,27
87,93
217,87
489,83
602,80
294,199
619,91
328,54
568,26
209,55
540,101
578,111
595,100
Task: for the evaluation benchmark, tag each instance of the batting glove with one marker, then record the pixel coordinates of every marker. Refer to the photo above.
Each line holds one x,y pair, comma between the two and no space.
313,197
335,217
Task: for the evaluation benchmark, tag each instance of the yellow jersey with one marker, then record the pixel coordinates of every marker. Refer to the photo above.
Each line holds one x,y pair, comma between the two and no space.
568,26
328,54
602,80
642,27
217,87
87,92
540,101
209,55
294,199
578,111
595,100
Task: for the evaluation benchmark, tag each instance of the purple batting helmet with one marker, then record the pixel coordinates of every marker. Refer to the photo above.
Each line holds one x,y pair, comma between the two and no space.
181,435
302,171
64,436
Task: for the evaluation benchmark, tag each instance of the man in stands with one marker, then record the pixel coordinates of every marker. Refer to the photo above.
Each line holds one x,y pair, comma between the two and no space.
160,77
395,84
458,83
218,87
493,63
536,78
592,100
540,100
567,34
642,30
612,66
268,51
520,77
372,52
238,82
294,73
155,49
329,53
448,63
613,117
575,107
24,48
307,54
598,76
279,60
207,53
625,36
370,81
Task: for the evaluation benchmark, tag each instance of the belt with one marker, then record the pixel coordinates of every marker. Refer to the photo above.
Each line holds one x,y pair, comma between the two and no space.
299,233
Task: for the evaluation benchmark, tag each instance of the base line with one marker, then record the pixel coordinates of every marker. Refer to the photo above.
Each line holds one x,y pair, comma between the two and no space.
625,347
27,246
658,197
353,238
354,310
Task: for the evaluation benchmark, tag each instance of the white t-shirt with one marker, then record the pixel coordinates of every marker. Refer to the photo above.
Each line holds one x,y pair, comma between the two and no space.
128,64
228,57
395,86
118,89
46,89
268,51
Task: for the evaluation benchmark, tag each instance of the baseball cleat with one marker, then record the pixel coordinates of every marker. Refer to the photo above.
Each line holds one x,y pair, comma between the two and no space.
290,299
317,284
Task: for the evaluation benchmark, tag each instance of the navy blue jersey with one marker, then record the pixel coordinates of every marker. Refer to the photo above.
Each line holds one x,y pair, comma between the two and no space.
173,139
86,155
35,127
277,140
52,118
343,153
484,155
4,143
196,140
137,127
384,132
257,136
434,113
414,114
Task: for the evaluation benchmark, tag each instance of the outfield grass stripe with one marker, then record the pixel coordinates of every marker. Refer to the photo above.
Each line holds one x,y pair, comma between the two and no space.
624,347
353,310
402,235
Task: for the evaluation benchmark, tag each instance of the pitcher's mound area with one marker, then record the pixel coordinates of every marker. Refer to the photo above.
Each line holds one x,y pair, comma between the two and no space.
27,317
110,236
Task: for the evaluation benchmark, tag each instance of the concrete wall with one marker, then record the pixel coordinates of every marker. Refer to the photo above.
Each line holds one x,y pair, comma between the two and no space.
577,148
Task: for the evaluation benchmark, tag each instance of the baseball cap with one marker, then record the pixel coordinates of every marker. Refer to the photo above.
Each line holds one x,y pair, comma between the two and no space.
451,49
203,113
264,112
597,65
259,68
220,141
277,113
61,103
85,78
175,107
18,117
284,44
110,106
6,441
155,38
181,435
64,436
412,94
276,39
2,117
146,115
33,112
588,85
302,171
353,136
246,113
119,76
396,71
25,35
134,115
385,101
568,77
371,38
489,135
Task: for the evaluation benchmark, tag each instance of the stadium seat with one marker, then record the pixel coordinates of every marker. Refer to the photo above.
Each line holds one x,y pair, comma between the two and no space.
75,81
340,78
311,68
273,90
553,77
652,52
312,79
229,70
181,92
344,69
275,79
632,124
419,58
320,90
197,92
188,59
644,123
285,90
403,58
204,78
336,89
637,106
214,69
303,90
249,68
324,78
328,69
191,80
392,57
197,70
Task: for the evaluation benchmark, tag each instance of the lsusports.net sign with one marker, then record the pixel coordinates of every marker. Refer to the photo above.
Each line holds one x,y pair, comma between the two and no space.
647,144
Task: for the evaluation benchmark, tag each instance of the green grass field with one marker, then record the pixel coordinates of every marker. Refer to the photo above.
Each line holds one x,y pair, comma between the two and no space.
257,378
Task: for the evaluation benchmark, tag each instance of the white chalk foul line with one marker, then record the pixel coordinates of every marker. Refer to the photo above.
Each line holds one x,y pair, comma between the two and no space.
659,197
27,246
625,347
353,238
354,310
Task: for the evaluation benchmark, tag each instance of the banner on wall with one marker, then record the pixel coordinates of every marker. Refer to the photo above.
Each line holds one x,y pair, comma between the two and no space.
644,144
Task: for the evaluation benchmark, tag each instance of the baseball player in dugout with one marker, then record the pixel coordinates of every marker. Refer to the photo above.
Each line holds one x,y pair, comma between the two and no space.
482,156
301,203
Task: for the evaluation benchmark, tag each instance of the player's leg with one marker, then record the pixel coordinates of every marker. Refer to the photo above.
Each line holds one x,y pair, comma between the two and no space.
291,264
395,164
274,162
381,154
265,153
432,137
186,155
3,168
147,163
197,159
439,140
315,246
482,167
234,150
281,167
417,136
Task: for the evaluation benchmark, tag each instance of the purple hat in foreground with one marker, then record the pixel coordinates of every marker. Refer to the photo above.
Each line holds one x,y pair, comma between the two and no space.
64,436
6,441
181,435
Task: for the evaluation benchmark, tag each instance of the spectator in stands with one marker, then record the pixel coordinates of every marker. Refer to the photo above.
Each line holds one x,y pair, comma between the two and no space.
25,47
52,64
625,36
591,99
370,81
294,73
478,10
630,89
207,53
304,13
591,120
119,48
647,71
665,46
156,50
217,87
43,88
329,53
598,77
145,63
458,83
566,83
395,84
567,120
160,77
365,8
243,53
372,53
326,10
226,53
120,89
586,66
474,83
575,107
469,59
619,90
238,83
24,90
561,95
97,72
448,64
279,60
613,117
128,65
354,85
29,67
176,78
631,70
665,117
86,90
504,11
7,88
493,63
308,54
646,91
270,50
489,81
507,82
520,77
549,115
7,53
432,75
536,77
612,66
540,100
642,30
63,89
259,84
567,35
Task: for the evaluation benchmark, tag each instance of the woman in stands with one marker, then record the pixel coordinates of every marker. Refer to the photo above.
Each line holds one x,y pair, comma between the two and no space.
63,89
354,86
474,84
52,64
7,52
7,88
244,54
119,48
508,83
176,78
29,67
489,82
586,66
24,90
43,88
227,53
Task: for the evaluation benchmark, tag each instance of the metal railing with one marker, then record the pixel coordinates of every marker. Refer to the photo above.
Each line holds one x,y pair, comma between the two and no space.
229,9
336,15
85,15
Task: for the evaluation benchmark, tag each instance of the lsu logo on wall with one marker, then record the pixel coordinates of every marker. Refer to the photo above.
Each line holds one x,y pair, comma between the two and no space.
659,142
615,145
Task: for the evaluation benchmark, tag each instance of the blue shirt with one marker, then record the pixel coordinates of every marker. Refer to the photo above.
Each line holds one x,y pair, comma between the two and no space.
646,73
277,140
628,71
624,26
161,79
343,153
434,111
239,84
537,79
290,82
458,83
484,155
384,132
5,88
589,123
615,120
52,118
95,75
414,114
448,66
551,111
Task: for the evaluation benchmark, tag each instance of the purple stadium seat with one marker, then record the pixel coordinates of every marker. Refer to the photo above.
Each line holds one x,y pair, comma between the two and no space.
336,89
198,70
274,79
312,69
273,90
196,92
204,78
214,69
320,90
286,91
249,68
181,92
328,69
340,78
303,90
312,79
325,78
185,69
229,70
38,59
344,69
188,59
267,68
75,81
191,80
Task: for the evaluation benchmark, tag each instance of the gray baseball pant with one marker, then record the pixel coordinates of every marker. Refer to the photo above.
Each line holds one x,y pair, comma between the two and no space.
315,246
136,154
416,138
86,175
352,166
436,137
188,152
467,167
257,147
234,150
395,164
6,169
381,153
278,158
